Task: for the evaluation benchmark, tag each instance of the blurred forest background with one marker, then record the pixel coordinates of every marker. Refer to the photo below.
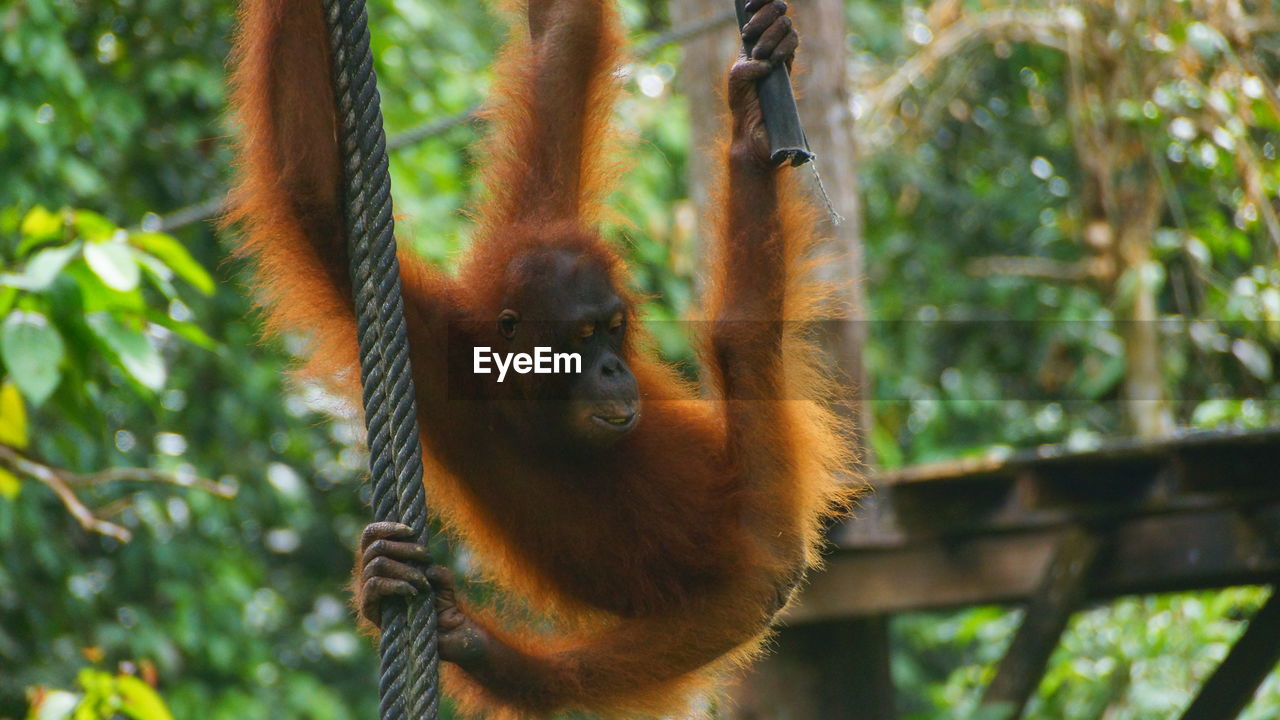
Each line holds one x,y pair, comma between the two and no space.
1063,214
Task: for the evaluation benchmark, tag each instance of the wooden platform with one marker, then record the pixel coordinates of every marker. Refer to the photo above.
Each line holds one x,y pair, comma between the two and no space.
1050,530
1200,510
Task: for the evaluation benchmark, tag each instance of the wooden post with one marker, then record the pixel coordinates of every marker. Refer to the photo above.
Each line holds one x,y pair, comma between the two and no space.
1226,693
1061,590
820,671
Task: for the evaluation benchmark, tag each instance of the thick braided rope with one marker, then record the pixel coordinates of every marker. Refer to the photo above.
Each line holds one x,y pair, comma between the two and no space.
408,684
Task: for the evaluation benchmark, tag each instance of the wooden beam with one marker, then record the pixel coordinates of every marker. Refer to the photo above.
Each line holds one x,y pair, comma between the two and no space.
1162,553
1229,690
1061,591
1233,442
1086,489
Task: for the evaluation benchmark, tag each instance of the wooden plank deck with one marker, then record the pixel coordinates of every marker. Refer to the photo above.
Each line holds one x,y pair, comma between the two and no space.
1192,512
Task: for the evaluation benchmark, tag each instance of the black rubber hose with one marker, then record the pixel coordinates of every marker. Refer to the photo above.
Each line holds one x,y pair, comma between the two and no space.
781,118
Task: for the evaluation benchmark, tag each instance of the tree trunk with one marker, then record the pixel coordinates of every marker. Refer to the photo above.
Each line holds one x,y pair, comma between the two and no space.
706,61
822,84
1148,414
1121,200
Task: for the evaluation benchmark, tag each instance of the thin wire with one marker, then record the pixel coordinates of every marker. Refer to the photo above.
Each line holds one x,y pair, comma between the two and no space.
836,218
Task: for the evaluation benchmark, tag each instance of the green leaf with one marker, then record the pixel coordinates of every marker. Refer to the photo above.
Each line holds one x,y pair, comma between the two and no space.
97,296
172,253
1106,373
140,700
10,217
10,485
1215,412
8,298
137,354
13,432
160,274
114,263
41,269
886,446
92,226
185,330
13,416
41,224
1254,357
1206,40
32,350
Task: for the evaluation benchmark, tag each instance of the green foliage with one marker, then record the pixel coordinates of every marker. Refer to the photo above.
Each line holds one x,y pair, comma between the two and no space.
110,106
984,158
74,294
1135,658
104,697
116,109
122,346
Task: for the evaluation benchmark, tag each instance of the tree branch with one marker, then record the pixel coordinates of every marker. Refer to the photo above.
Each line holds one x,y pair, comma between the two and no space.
64,482
1041,27
1032,267
134,474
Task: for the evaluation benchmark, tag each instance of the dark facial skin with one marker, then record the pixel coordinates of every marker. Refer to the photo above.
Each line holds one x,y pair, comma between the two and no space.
585,411
390,563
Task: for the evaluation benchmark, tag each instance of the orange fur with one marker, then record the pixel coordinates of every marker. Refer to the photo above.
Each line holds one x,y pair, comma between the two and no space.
630,583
